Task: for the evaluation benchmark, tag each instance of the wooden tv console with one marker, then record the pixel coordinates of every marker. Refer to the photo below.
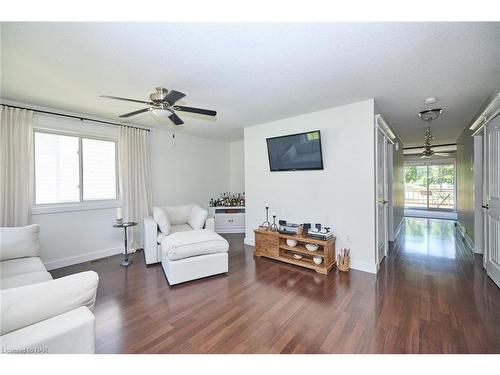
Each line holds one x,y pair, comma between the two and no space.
273,245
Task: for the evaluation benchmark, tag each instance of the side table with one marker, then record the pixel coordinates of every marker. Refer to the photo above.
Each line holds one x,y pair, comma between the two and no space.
126,262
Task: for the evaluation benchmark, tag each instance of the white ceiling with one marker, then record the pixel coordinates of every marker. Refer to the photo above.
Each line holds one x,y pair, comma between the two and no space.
254,73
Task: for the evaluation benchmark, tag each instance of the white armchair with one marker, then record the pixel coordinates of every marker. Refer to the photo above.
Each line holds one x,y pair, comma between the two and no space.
175,219
38,314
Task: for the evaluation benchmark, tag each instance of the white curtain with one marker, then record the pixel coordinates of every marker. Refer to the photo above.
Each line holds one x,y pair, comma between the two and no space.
16,166
135,180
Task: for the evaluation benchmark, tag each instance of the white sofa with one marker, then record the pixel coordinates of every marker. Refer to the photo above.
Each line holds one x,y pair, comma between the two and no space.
38,314
182,238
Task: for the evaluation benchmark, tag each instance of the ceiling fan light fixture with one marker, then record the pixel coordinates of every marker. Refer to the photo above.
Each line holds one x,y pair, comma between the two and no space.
430,114
430,100
162,104
162,112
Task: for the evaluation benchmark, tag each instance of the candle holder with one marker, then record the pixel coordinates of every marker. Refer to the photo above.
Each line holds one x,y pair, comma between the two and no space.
274,227
119,221
266,224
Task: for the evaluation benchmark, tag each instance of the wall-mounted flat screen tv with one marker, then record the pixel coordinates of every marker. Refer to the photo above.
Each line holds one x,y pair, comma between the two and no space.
295,152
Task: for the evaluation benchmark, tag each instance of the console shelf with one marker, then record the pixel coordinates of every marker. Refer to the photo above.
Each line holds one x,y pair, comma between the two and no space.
273,245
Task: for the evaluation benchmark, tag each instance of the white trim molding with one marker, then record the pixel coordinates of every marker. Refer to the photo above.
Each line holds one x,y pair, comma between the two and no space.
363,266
249,241
465,237
489,113
398,229
87,257
72,207
382,125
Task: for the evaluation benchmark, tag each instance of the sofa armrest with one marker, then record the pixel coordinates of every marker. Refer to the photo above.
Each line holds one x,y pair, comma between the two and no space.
210,224
30,304
71,332
150,240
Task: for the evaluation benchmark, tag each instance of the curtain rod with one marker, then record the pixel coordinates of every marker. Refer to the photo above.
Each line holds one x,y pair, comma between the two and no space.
75,117
414,148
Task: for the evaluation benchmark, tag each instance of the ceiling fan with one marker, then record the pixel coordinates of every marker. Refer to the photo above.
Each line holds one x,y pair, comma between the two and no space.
428,116
427,151
162,104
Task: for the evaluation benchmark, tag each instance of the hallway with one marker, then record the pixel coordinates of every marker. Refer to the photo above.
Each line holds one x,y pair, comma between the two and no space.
445,300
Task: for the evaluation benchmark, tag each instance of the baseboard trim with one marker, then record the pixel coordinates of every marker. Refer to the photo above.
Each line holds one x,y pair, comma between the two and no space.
249,241
465,237
64,262
398,229
363,266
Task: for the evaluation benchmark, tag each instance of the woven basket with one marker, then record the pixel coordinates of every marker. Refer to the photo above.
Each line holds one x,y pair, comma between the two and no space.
344,264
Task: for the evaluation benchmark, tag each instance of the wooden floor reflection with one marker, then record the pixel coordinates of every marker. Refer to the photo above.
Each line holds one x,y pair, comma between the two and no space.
430,296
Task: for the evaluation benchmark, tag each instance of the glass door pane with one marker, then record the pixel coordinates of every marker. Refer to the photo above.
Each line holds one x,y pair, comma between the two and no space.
416,193
442,187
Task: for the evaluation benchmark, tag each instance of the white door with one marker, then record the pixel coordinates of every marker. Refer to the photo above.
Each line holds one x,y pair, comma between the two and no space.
492,199
381,183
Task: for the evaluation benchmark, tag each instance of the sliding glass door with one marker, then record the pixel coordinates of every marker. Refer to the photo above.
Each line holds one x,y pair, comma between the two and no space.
430,185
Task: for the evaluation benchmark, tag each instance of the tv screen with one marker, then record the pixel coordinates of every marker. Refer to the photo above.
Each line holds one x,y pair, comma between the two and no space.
295,152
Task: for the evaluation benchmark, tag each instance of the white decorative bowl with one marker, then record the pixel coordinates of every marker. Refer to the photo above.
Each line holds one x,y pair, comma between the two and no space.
311,246
297,256
317,260
291,243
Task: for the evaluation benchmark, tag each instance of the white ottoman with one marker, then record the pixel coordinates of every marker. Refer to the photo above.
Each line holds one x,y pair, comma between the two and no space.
192,255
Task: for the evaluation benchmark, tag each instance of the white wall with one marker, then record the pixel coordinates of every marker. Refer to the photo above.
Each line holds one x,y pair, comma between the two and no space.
342,195
191,170
237,166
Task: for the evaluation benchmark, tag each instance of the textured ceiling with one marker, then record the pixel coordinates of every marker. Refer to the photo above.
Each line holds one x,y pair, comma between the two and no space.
254,73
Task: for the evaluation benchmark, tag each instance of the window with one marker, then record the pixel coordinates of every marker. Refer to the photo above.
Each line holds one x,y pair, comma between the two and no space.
430,186
312,136
72,169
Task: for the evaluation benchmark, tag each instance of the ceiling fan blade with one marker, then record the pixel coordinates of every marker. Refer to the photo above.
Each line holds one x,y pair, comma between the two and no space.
201,111
136,112
176,119
173,96
441,154
125,99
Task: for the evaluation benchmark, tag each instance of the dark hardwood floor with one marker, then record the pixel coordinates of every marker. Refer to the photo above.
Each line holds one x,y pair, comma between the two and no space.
430,296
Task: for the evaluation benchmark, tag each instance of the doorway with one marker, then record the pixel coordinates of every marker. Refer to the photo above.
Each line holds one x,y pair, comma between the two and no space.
430,185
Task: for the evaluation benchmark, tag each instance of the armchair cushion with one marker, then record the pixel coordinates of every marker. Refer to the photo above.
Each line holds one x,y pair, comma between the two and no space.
180,228
19,242
162,220
34,303
178,214
197,217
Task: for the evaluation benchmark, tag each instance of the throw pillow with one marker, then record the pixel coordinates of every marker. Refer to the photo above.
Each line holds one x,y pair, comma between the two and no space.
162,220
197,217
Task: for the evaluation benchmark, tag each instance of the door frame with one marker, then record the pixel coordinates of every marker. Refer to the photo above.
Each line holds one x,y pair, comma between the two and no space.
493,272
381,129
478,127
478,195
390,192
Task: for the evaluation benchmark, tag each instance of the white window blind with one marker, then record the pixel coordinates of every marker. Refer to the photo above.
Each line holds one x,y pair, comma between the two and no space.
56,168
63,161
99,169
